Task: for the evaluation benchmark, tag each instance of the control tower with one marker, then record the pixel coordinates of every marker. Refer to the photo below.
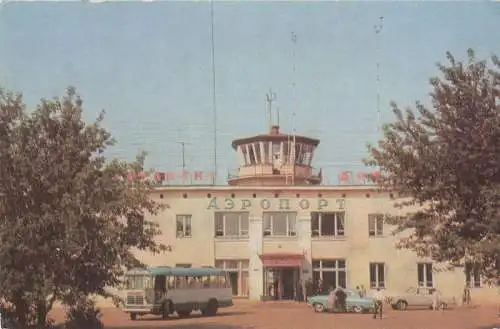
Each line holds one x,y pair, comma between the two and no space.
275,159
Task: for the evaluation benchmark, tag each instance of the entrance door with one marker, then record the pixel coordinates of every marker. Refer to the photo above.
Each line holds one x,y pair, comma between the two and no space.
233,278
288,279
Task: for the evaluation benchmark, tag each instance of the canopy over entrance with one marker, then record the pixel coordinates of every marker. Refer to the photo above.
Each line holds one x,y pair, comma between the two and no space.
281,259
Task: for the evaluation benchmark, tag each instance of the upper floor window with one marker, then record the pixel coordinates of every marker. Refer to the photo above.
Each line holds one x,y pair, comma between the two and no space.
425,277
327,223
473,275
279,223
231,224
375,225
183,226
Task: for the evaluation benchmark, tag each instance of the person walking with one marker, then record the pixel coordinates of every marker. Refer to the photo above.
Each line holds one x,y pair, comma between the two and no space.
341,298
378,298
359,291
332,300
435,299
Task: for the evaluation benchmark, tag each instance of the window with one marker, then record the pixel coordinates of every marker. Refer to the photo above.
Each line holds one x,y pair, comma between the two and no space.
137,281
245,154
473,275
266,152
377,275
251,154
276,150
257,152
279,224
375,225
327,224
329,273
231,224
237,271
425,278
183,226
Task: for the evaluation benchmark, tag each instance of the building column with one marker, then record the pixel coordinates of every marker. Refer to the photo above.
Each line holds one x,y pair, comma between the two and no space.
304,235
256,274
270,155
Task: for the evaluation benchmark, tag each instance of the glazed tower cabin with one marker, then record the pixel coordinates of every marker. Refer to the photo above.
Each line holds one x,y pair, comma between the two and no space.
275,159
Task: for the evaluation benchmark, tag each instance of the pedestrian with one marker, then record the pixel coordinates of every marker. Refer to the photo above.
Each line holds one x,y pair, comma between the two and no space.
378,299
359,291
435,299
341,298
332,300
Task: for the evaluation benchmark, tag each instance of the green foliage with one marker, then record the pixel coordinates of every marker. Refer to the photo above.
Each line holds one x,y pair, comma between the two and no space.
445,162
68,225
84,315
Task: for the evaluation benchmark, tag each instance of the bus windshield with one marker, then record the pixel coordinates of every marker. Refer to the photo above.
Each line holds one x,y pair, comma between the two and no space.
137,281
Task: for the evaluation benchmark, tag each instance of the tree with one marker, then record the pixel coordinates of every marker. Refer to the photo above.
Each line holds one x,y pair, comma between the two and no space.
445,162
68,221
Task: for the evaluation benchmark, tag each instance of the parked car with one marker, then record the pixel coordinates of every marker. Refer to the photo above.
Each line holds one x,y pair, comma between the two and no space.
354,302
418,297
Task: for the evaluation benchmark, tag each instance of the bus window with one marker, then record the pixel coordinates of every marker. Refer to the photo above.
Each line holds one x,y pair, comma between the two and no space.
222,281
171,282
178,282
206,282
138,282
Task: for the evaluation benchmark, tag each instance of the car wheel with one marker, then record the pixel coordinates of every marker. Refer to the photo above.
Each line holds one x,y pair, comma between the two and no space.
318,308
401,305
133,316
357,309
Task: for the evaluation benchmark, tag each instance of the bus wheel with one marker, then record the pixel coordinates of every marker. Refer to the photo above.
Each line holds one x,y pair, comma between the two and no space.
211,308
133,316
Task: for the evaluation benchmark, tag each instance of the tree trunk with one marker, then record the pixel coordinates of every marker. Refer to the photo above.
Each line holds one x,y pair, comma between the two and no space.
41,314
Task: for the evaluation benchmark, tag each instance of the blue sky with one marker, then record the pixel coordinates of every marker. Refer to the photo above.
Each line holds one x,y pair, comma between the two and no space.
149,66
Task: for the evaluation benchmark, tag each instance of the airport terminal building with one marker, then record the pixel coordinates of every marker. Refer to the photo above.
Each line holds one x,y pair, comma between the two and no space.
274,225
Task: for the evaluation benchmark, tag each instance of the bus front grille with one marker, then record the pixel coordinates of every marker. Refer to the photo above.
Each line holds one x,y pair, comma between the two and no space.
135,300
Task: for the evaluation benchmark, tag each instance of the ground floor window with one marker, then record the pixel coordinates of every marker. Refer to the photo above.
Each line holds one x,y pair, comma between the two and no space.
377,275
329,273
238,274
425,277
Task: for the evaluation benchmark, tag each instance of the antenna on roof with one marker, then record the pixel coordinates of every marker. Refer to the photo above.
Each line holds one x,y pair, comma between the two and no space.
277,116
270,98
293,154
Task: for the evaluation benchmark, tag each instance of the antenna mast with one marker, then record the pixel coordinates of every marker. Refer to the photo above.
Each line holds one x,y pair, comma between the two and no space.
378,28
270,98
214,90
183,158
293,152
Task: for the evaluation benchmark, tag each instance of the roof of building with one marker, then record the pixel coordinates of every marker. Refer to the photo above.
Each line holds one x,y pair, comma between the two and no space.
284,188
275,135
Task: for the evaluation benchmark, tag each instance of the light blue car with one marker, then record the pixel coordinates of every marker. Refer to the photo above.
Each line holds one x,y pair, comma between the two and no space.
354,302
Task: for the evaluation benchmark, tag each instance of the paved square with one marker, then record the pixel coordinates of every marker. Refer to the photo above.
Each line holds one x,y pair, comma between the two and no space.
253,315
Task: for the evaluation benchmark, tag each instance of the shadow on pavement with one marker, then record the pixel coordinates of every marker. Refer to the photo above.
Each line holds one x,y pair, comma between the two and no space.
192,316
171,325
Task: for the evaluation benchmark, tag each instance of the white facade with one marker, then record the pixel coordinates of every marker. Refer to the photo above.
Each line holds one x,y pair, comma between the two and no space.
275,226
364,251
